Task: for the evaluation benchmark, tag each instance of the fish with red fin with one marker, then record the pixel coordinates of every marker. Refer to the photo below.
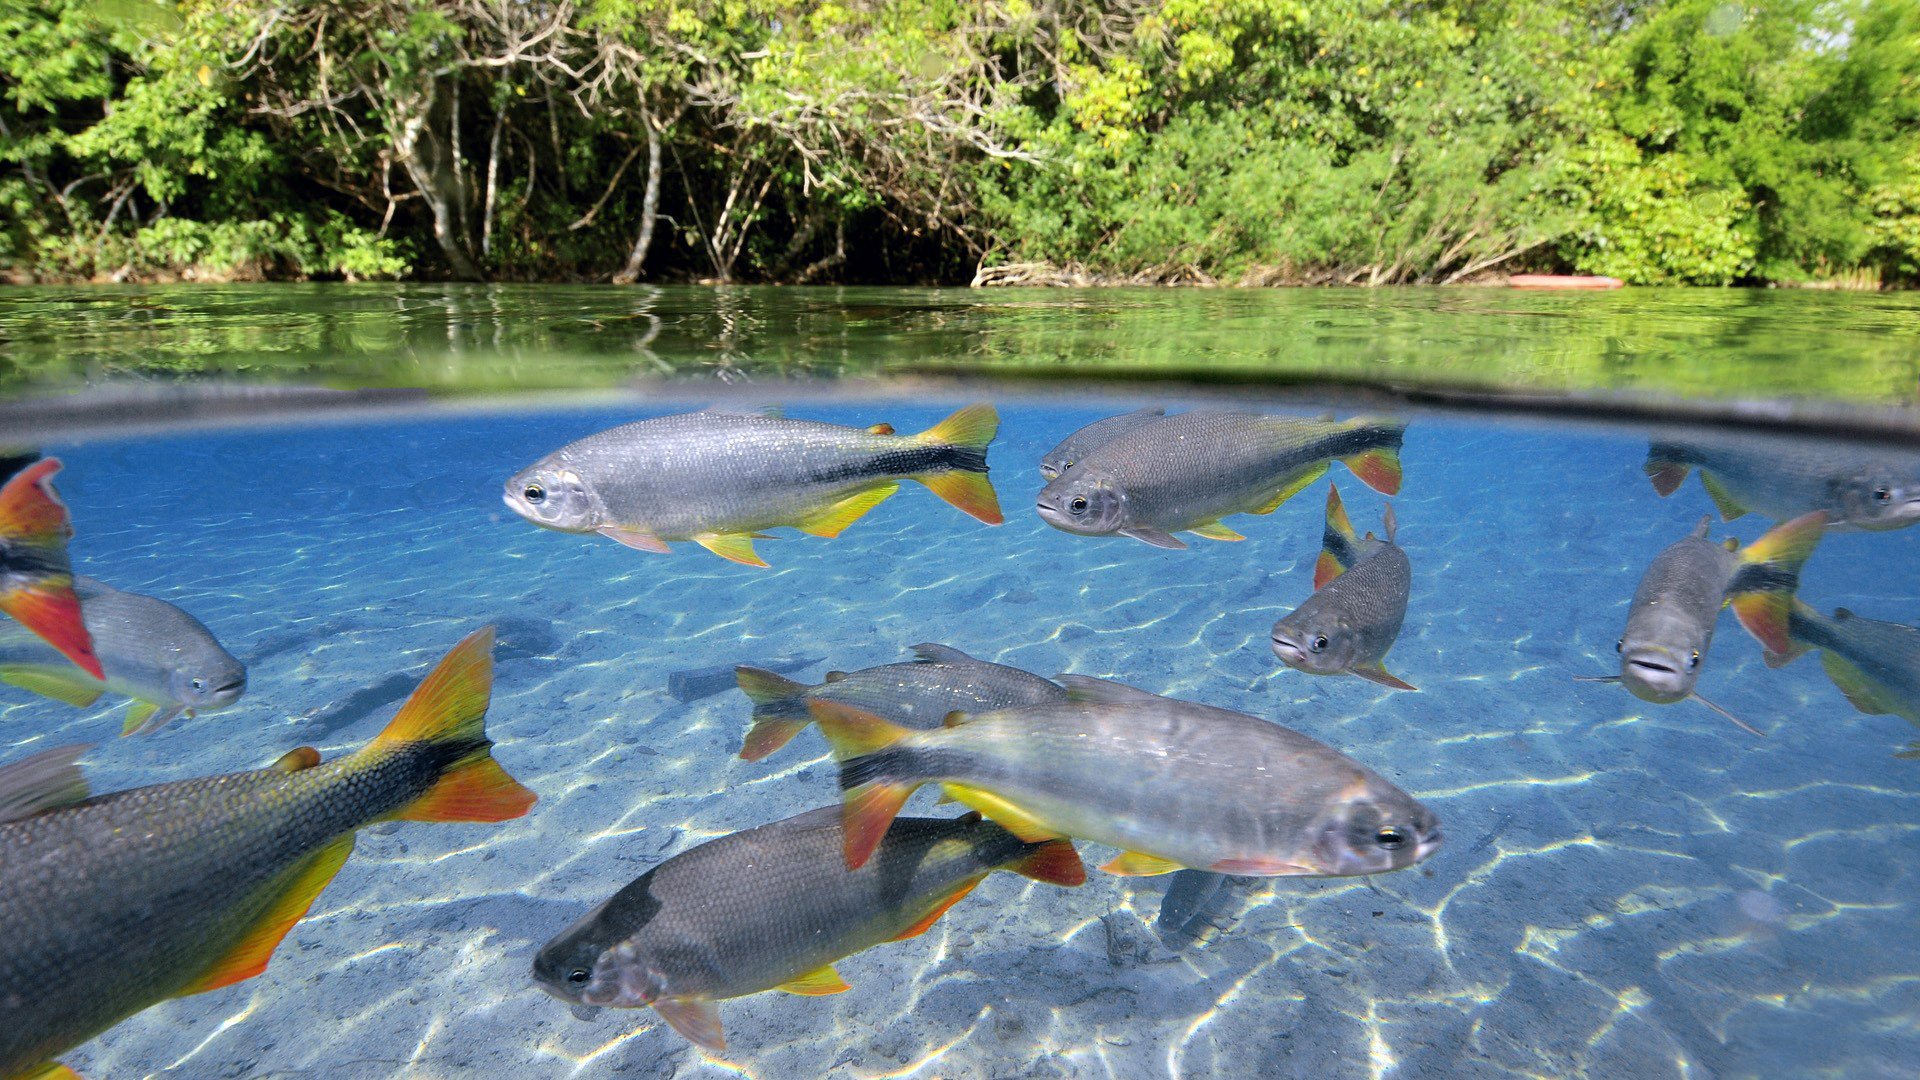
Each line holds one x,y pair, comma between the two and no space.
36,577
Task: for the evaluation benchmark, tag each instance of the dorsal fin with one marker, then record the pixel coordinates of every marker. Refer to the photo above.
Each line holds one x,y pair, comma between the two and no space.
46,781
1103,691
945,654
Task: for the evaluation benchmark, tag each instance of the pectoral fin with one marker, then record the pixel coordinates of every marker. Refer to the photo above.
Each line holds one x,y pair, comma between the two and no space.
1377,672
833,520
926,921
1859,689
70,685
816,983
1139,864
144,717
636,539
1216,531
734,547
1157,537
697,1021
250,955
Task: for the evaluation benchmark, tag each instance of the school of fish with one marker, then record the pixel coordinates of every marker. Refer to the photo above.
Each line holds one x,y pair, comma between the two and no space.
111,903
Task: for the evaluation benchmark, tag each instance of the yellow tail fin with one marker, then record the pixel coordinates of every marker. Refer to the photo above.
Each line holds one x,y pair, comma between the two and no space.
975,425
450,707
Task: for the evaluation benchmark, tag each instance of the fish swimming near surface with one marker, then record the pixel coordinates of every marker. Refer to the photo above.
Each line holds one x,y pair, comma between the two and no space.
115,903
1357,608
36,577
151,651
719,479
774,908
1671,621
1185,473
1857,487
1075,446
1875,664
919,694
1172,784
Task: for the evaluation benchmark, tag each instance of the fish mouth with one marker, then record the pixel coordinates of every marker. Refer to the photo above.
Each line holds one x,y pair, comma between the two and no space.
1058,518
234,687
1429,844
1654,678
1289,653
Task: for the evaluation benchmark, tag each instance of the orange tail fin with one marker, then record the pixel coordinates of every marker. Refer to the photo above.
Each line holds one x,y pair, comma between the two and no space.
450,707
36,580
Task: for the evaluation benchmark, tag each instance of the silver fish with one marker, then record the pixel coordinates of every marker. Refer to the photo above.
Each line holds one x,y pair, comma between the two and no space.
718,478
1171,783
1075,446
162,657
1185,473
918,695
775,908
1857,487
1671,621
1875,664
1357,608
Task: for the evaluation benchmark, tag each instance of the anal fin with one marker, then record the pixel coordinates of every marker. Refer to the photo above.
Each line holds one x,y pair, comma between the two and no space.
734,547
300,887
1216,531
1292,487
1859,689
1723,500
926,921
1140,864
816,983
1003,813
833,520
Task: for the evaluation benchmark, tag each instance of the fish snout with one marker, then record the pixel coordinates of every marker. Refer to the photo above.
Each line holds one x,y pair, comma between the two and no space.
1288,649
1657,675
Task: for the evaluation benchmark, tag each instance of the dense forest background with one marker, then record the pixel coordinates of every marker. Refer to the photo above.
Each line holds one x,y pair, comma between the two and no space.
996,141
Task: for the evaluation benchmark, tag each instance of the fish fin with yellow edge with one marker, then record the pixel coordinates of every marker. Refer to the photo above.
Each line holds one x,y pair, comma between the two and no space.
1103,691
39,594
1667,468
1054,862
1140,864
636,539
45,781
68,684
1859,689
48,1070
834,520
872,797
1003,813
1159,538
1293,487
779,710
1379,466
963,479
1339,547
1724,501
767,736
298,759
926,921
816,983
448,711
1377,672
697,1021
1216,531
146,717
294,894
733,547
1762,588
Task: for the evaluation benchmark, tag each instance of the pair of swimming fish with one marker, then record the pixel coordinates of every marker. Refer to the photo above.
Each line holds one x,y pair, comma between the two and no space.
721,479
111,904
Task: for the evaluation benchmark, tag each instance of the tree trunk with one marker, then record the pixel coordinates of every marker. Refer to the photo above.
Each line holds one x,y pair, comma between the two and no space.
649,210
428,159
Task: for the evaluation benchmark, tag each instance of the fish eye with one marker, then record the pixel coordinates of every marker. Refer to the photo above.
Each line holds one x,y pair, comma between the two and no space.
535,493
199,684
1078,505
1693,661
1883,494
1318,643
579,975
1390,837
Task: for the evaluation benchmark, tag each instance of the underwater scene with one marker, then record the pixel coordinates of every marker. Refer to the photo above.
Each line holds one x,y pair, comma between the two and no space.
690,737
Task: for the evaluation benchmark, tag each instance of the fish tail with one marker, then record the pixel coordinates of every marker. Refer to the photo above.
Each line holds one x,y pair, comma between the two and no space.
779,710
447,712
34,523
1667,467
1052,861
864,744
1337,543
1378,466
1762,589
962,480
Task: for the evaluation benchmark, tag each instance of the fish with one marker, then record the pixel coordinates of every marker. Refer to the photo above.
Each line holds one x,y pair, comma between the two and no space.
1185,473
1671,621
1075,446
1857,487
719,479
1172,784
163,658
1875,664
919,694
112,904
774,908
36,575
1357,608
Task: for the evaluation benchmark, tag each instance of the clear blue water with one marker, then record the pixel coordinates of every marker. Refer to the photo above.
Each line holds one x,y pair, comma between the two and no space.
1627,890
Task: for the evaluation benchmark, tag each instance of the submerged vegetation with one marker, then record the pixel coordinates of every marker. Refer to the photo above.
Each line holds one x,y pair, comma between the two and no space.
1240,141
